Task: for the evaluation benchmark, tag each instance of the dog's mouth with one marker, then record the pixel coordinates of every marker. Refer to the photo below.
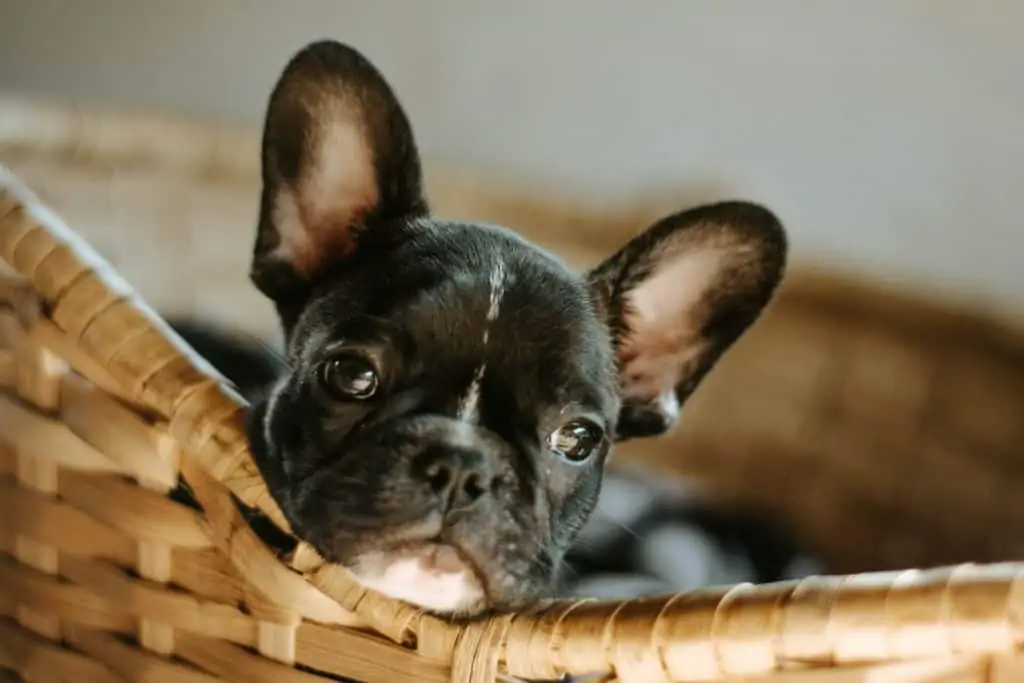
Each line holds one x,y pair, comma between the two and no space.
435,576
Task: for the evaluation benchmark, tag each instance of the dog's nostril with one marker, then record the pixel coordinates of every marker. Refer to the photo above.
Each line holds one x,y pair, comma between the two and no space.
474,486
439,476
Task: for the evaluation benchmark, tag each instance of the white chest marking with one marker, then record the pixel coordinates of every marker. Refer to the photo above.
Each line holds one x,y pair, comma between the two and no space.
469,410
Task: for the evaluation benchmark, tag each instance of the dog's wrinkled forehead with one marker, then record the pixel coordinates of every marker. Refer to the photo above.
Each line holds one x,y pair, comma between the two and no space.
470,297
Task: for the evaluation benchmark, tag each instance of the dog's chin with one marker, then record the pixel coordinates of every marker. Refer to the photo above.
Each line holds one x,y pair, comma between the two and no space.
432,576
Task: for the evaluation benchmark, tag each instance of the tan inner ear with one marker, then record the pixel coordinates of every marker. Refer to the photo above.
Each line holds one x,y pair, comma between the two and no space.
665,317
320,215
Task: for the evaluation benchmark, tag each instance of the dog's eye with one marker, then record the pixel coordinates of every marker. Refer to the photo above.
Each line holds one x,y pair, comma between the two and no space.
576,440
349,377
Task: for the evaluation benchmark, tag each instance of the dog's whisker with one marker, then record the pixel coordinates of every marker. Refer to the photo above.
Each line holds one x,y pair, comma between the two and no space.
563,564
622,525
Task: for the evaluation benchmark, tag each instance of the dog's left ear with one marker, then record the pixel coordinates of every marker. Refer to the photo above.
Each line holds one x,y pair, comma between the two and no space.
676,298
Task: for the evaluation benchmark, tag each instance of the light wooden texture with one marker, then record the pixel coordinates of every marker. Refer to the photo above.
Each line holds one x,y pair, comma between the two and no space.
884,428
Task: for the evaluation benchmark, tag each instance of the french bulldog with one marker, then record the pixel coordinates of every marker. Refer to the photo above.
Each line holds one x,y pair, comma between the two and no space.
649,534
450,391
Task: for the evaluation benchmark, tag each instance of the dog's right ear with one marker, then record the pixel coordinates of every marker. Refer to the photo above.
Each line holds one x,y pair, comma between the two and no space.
339,163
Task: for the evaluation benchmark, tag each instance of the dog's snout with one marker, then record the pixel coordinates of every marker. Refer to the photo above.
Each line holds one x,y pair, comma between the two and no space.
458,477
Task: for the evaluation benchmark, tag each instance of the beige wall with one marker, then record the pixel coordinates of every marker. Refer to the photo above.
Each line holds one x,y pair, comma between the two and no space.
889,134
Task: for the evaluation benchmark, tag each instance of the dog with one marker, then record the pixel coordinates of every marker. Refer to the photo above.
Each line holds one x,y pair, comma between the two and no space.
450,392
648,534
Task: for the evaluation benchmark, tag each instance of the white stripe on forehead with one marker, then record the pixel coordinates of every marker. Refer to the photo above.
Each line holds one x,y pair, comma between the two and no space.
497,281
469,410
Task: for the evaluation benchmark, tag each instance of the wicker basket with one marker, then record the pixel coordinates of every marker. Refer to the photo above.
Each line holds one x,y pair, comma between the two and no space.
885,430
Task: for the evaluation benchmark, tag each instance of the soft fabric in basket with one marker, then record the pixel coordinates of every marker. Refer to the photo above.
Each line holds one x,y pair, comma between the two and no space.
884,430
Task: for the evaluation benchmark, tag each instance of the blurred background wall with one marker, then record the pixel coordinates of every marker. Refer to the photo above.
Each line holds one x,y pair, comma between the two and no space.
888,134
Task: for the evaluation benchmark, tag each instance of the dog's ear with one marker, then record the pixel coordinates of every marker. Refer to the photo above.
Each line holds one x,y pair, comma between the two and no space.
339,163
677,296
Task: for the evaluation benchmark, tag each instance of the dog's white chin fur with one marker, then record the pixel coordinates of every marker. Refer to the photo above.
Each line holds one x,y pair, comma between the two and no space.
430,576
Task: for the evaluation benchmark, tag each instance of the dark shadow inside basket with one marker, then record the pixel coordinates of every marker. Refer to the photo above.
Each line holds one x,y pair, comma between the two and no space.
280,542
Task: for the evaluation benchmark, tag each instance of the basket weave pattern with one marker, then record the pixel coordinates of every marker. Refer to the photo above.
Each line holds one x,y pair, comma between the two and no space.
106,577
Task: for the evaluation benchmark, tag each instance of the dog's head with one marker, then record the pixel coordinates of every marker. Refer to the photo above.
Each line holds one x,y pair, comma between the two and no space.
453,390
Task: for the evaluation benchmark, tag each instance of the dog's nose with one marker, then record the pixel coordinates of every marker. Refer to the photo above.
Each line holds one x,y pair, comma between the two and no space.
459,477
